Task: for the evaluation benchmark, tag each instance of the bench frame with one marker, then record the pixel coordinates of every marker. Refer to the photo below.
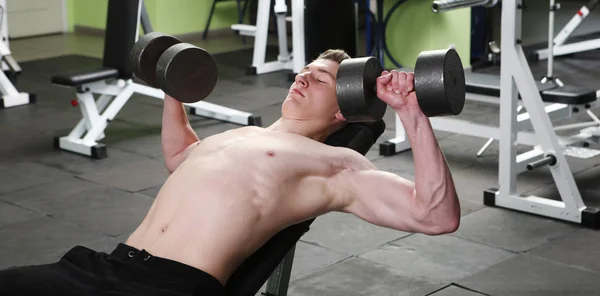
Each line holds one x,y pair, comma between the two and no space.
9,95
532,128
114,86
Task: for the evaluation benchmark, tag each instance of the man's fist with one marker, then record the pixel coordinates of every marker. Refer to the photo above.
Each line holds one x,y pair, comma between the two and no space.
397,89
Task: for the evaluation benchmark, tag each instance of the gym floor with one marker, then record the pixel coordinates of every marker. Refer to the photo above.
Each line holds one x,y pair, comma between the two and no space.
52,200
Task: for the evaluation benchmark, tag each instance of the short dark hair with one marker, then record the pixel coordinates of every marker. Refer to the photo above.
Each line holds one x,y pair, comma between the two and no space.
336,55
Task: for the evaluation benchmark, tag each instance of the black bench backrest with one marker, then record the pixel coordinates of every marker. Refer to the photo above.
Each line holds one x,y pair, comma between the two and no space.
254,272
122,23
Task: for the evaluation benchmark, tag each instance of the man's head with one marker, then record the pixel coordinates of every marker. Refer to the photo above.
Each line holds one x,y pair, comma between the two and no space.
312,96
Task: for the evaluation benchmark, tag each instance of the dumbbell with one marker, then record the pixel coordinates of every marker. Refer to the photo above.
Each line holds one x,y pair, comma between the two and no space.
439,85
183,71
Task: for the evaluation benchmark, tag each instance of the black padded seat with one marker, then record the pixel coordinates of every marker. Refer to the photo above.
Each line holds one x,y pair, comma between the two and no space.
79,78
489,85
569,94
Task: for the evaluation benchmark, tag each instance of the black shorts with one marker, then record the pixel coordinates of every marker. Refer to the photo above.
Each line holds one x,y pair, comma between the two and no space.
125,271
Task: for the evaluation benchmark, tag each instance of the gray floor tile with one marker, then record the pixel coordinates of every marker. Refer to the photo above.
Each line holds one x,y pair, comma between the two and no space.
149,146
80,164
471,182
26,174
93,206
525,275
578,249
112,218
357,276
468,206
151,192
440,258
239,102
587,185
348,234
266,96
10,214
132,176
228,88
269,114
454,290
309,258
510,230
60,196
24,242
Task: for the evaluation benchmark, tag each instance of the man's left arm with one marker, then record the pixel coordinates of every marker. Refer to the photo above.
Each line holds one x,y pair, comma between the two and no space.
430,203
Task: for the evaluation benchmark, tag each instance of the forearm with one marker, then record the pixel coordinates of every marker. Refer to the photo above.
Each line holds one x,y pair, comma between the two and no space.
177,133
435,197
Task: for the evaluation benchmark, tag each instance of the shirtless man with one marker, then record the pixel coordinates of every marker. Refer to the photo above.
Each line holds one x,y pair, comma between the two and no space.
229,193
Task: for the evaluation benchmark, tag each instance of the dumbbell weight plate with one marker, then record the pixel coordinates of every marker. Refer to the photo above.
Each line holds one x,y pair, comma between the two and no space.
145,54
356,89
186,72
440,82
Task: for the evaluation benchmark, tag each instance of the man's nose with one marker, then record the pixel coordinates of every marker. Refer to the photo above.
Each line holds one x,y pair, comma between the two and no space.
302,80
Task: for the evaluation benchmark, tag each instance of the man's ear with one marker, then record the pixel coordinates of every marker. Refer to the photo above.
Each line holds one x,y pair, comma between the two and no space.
339,116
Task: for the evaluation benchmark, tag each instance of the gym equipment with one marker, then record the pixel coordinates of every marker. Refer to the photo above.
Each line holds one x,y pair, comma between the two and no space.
439,85
559,103
10,96
516,77
285,61
446,5
115,86
533,128
556,44
183,71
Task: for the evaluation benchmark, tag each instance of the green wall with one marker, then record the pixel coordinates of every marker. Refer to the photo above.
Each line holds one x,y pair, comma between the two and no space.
412,28
168,16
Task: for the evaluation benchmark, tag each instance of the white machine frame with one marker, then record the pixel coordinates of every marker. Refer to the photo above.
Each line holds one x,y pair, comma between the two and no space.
295,60
560,48
113,94
11,97
532,128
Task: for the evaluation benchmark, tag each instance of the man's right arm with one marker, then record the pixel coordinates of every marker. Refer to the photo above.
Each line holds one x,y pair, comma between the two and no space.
178,137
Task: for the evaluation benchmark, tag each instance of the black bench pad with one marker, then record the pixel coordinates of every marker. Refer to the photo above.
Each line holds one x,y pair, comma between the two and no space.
489,85
79,78
569,94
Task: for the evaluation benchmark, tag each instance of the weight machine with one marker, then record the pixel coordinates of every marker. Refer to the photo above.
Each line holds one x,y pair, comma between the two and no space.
113,82
11,97
556,44
544,103
295,60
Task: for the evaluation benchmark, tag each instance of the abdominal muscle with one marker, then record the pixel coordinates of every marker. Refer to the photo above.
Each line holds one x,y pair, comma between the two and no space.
223,203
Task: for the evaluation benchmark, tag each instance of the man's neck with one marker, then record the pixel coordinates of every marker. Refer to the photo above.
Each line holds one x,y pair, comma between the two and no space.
299,127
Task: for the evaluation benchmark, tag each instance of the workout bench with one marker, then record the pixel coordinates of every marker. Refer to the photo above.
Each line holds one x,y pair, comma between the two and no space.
272,263
11,97
544,104
113,82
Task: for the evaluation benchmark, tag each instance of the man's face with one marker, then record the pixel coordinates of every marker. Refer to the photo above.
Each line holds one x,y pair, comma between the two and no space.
312,96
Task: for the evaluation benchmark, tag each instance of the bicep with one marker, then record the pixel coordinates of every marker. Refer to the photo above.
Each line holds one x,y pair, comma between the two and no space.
379,197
